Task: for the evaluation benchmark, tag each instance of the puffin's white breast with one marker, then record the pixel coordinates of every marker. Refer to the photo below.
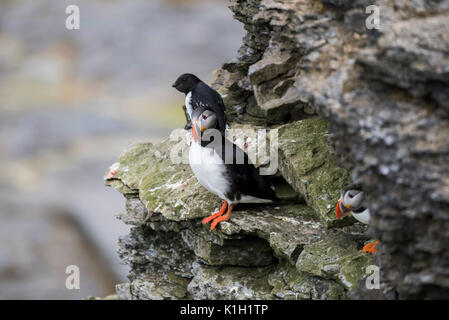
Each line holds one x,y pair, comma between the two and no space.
363,217
209,169
189,104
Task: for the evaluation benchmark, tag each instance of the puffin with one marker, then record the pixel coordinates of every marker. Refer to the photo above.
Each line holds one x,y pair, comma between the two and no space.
352,201
223,168
199,94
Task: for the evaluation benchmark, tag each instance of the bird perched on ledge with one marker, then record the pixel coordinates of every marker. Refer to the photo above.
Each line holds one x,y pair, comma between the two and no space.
352,201
223,168
199,94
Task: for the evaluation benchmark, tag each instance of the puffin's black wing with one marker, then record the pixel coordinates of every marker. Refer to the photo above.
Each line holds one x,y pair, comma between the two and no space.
205,96
245,178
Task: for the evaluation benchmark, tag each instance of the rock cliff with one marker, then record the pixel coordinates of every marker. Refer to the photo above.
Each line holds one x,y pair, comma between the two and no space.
346,103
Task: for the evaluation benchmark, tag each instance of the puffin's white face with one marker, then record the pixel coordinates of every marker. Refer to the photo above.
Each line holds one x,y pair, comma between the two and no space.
201,122
351,199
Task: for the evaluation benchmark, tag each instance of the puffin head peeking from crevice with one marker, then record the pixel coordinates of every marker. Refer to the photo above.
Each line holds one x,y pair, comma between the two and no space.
353,202
223,168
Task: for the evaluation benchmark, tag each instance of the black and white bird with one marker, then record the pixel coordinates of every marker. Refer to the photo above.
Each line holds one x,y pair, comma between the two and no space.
223,168
199,94
352,201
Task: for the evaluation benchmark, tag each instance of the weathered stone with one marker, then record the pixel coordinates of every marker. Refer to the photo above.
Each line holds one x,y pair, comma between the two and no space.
122,188
286,228
384,94
413,54
228,282
278,102
336,257
306,163
144,247
136,213
246,252
290,284
154,285
162,183
273,63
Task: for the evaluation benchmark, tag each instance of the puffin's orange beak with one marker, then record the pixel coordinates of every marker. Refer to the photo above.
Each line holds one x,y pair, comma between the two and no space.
338,211
194,133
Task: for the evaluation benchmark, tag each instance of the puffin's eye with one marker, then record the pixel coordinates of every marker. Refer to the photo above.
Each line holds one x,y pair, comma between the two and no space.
204,117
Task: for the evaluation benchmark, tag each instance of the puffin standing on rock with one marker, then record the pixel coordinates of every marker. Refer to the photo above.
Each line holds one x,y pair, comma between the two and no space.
352,201
199,94
223,168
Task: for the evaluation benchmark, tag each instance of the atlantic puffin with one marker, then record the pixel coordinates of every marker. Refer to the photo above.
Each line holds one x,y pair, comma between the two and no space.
223,168
199,94
352,201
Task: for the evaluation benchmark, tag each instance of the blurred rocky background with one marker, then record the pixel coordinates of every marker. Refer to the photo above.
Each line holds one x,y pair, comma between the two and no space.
70,101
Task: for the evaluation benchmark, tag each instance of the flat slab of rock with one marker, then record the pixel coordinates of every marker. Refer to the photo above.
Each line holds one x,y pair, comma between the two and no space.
307,165
290,284
286,228
154,286
336,257
163,178
229,282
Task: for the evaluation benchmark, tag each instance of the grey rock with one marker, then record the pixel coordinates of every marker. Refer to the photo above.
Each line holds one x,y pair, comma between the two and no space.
228,282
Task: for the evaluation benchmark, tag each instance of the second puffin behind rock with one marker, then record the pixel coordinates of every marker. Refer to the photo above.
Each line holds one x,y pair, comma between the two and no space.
223,168
352,201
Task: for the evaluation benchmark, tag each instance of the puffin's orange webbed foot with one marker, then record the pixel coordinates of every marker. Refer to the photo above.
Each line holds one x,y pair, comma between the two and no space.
216,214
371,247
221,218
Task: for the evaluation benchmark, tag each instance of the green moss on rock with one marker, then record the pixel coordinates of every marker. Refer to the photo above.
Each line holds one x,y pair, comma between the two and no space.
246,252
306,163
290,284
287,228
336,257
164,186
154,286
229,282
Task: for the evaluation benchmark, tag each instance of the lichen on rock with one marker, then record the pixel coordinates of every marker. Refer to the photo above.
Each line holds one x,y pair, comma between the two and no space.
165,186
290,284
336,257
306,163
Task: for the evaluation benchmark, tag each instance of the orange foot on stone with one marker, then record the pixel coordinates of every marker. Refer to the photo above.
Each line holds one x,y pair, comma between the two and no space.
371,247
221,218
216,214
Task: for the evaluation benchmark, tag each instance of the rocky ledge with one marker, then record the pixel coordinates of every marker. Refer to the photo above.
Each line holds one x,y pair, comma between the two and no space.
292,250
337,95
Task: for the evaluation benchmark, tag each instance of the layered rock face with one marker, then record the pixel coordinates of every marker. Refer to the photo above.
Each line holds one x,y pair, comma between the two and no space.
294,249
336,95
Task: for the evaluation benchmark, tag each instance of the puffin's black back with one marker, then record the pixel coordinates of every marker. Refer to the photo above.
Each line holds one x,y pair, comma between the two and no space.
245,178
